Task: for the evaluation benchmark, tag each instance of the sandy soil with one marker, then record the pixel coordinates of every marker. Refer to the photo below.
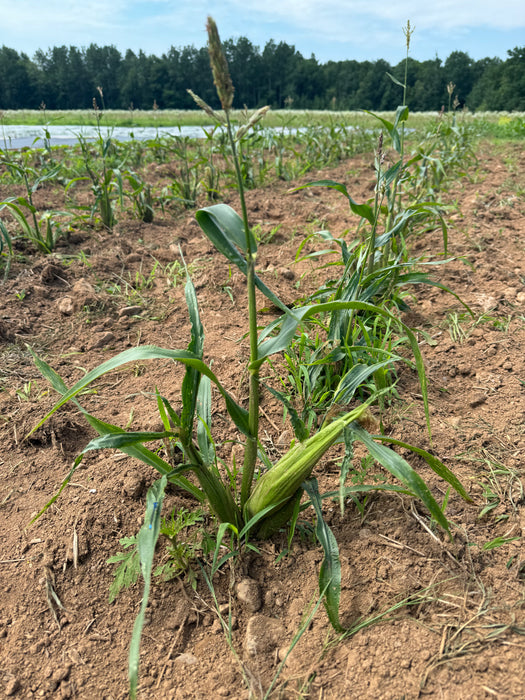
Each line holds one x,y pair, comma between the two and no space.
447,619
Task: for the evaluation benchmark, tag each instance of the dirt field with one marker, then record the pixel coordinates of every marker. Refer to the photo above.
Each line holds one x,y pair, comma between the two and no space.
457,609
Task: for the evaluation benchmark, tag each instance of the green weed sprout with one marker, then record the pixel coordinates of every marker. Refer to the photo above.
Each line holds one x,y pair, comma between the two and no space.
272,500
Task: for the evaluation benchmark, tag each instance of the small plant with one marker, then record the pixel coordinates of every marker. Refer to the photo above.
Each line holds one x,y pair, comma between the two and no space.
30,391
41,229
7,255
105,179
185,544
141,197
127,573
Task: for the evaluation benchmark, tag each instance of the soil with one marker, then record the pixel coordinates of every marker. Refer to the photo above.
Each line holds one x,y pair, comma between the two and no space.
441,619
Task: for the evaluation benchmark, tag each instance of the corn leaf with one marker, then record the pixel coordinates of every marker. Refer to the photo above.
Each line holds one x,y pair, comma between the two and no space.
147,541
362,210
402,471
204,439
433,462
238,414
355,377
192,377
225,229
330,571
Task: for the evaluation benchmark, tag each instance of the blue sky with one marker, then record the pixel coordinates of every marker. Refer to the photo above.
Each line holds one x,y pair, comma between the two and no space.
331,29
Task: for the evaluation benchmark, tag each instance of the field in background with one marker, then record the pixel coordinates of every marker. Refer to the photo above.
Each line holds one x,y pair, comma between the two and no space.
275,118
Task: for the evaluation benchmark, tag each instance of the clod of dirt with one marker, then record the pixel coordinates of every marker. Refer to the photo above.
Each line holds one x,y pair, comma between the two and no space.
66,306
286,273
105,339
130,311
84,293
6,333
133,486
249,593
263,635
60,674
50,273
186,659
12,686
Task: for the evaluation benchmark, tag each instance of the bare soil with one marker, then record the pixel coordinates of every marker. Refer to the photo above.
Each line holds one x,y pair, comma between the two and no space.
449,617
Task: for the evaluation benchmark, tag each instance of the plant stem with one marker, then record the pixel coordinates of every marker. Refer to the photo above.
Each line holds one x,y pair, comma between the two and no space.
219,497
250,453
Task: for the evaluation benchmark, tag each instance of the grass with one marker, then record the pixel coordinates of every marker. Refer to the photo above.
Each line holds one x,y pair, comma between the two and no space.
495,123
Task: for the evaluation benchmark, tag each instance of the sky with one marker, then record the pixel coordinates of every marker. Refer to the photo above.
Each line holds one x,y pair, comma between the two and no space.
330,29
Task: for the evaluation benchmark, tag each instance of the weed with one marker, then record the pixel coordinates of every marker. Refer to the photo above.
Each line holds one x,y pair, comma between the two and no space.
30,391
180,553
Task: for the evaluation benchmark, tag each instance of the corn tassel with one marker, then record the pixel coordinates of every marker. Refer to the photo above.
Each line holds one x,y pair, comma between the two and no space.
281,482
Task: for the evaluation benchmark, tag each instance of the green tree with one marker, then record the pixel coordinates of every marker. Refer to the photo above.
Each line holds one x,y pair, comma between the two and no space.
511,93
16,84
244,62
103,68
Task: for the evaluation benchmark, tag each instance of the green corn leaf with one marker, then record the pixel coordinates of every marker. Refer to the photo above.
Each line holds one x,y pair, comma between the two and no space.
192,377
362,210
423,278
402,470
293,318
121,439
389,175
134,450
402,113
346,465
395,80
147,541
433,462
204,439
230,224
151,352
330,571
225,229
164,407
401,116
138,451
355,377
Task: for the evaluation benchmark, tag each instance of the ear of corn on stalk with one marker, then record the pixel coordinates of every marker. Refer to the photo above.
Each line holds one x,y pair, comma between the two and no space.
284,478
279,518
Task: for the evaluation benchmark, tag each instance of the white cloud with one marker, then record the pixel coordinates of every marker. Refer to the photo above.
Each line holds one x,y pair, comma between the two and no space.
356,26
342,15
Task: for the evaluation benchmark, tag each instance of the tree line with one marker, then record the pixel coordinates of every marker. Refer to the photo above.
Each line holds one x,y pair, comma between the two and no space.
68,78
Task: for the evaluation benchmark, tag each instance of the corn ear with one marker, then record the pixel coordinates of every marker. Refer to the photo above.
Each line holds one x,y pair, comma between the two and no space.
279,518
281,482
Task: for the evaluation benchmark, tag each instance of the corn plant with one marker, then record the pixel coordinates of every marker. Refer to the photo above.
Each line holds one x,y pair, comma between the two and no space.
41,229
141,196
185,186
5,242
104,175
257,505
